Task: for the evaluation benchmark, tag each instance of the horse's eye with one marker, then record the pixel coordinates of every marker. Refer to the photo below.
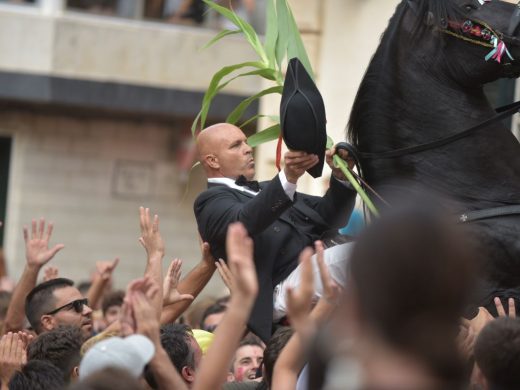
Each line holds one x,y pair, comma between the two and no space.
470,7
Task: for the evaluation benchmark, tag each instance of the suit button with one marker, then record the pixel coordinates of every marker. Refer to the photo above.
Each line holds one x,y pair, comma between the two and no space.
276,229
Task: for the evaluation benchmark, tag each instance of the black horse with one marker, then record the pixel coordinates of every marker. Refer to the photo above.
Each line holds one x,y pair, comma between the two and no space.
425,83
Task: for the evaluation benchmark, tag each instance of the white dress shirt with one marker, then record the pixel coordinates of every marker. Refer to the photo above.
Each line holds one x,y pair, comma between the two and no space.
288,187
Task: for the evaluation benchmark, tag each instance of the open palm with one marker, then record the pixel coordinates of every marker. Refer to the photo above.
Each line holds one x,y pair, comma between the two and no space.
37,251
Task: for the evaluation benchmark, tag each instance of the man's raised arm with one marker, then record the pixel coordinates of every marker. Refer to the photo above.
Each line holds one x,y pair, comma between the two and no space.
37,254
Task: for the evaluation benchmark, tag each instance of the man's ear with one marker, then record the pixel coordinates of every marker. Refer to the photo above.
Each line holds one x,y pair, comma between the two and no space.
211,161
75,373
47,322
188,374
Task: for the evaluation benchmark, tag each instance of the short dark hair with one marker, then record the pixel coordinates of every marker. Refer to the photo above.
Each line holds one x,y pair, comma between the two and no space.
41,300
213,309
497,353
60,346
114,298
273,349
37,375
175,339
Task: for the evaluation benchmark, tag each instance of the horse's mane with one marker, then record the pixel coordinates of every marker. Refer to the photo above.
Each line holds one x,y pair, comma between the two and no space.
380,82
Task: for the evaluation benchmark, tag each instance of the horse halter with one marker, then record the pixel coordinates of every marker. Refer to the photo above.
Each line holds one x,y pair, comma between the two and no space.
494,38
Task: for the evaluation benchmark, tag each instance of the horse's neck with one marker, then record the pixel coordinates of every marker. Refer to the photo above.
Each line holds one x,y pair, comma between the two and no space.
426,108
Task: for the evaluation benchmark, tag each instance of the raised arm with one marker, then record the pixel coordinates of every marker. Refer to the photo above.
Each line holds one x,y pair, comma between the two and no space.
191,285
37,254
104,270
214,367
153,243
293,356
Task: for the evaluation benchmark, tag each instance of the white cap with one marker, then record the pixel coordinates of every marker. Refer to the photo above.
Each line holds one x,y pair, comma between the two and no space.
132,354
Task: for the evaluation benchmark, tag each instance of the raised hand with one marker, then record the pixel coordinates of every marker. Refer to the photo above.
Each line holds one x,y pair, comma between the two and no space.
150,238
50,273
299,300
331,291
37,251
336,171
239,247
225,274
511,312
207,257
296,163
146,321
13,355
104,269
170,293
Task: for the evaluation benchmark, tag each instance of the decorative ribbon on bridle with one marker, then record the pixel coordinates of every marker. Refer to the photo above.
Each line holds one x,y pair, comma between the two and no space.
498,51
488,37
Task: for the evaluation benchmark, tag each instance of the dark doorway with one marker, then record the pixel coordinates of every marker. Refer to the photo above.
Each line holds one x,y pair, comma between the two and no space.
5,157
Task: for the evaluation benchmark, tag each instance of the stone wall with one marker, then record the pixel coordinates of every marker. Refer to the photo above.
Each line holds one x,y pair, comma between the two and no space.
89,175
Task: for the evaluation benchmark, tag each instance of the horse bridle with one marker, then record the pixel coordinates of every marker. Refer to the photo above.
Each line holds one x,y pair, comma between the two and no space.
501,113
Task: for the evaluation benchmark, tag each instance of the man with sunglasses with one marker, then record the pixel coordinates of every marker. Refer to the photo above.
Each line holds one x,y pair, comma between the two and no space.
55,303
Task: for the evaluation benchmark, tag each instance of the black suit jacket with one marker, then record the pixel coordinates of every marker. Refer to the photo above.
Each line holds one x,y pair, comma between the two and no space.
279,227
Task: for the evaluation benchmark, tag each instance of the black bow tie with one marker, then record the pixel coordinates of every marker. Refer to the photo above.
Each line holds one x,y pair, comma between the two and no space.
251,184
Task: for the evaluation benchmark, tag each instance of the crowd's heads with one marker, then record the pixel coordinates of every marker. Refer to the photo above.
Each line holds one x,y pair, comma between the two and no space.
55,303
183,350
273,349
60,347
411,274
132,354
248,359
111,307
212,317
497,355
37,375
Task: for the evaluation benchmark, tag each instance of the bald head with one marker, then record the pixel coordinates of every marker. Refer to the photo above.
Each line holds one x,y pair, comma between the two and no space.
223,152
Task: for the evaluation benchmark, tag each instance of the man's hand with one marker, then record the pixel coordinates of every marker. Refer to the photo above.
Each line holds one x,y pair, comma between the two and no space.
225,274
296,163
145,318
50,273
12,355
511,312
299,300
336,171
207,257
331,291
150,238
239,247
104,269
37,250
170,293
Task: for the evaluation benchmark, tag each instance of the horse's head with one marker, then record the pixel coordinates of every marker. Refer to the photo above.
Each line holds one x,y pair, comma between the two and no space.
482,37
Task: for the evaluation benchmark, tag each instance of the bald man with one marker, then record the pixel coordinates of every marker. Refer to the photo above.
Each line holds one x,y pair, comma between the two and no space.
281,221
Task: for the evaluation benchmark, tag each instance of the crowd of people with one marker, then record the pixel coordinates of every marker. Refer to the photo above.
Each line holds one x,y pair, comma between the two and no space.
396,316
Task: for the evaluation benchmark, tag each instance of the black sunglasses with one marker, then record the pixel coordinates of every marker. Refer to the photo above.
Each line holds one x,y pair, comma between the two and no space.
77,305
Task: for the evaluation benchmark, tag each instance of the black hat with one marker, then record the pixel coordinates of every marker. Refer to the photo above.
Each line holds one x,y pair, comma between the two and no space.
302,115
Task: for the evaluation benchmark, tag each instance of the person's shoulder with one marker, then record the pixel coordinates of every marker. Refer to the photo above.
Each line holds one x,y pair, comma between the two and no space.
214,192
